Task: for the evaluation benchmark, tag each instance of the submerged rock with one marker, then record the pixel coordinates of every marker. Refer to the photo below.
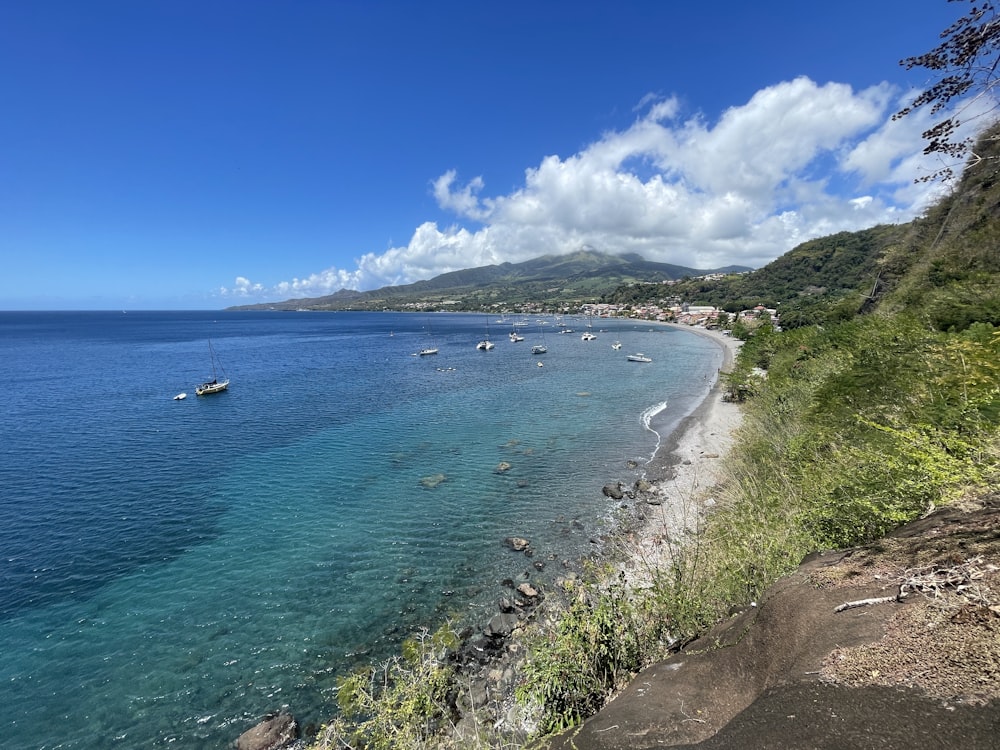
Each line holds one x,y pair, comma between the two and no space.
433,480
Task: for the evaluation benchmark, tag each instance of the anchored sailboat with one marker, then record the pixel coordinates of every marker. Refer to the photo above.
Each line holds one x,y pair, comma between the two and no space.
214,385
485,345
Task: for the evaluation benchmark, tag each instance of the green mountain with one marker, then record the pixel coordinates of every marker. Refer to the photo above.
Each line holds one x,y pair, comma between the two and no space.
552,279
943,266
823,278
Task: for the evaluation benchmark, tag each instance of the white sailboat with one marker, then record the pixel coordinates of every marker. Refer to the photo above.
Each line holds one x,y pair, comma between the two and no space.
427,350
214,385
540,347
485,345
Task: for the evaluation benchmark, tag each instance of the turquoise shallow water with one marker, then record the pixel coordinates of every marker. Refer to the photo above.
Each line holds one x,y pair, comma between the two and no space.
171,570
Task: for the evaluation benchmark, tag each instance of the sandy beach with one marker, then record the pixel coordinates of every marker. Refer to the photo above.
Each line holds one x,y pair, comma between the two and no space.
684,472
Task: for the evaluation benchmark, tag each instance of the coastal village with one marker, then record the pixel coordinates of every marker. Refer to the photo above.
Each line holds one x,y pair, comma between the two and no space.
705,316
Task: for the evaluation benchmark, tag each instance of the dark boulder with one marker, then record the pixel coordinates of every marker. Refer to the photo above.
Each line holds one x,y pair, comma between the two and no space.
614,491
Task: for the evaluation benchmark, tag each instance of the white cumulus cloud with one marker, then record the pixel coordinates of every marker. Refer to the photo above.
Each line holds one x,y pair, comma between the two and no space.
799,160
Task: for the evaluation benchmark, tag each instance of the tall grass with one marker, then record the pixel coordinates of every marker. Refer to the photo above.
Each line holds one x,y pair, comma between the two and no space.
848,431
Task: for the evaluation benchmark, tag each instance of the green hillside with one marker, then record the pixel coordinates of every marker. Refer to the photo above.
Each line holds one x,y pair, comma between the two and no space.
877,402
817,281
878,405
552,281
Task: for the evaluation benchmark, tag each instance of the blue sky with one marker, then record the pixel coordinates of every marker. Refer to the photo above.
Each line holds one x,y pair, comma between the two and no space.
168,155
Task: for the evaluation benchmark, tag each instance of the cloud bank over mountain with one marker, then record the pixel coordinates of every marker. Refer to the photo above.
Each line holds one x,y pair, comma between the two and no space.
799,160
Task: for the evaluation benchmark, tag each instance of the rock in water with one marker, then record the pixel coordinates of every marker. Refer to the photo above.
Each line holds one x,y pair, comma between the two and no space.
516,543
275,732
433,480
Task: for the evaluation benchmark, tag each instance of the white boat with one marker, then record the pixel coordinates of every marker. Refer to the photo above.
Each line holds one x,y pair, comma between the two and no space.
540,347
431,349
588,336
515,337
214,385
485,345
638,357
180,397
617,345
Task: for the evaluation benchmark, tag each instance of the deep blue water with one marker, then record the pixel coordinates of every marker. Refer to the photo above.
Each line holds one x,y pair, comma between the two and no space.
171,570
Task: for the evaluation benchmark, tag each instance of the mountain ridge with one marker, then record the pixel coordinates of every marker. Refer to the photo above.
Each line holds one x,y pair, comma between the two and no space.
583,275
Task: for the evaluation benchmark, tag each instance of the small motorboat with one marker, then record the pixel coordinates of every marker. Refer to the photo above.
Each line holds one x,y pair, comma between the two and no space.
638,357
180,397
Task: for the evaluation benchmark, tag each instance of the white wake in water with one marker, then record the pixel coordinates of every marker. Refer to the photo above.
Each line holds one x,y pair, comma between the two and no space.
647,419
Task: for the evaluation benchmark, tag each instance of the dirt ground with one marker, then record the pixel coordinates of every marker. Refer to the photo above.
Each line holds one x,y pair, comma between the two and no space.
919,667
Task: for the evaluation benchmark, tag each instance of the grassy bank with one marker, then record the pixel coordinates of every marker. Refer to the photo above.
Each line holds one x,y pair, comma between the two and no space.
848,432
879,404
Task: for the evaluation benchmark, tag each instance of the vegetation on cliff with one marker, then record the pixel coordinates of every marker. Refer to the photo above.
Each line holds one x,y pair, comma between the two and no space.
880,401
851,428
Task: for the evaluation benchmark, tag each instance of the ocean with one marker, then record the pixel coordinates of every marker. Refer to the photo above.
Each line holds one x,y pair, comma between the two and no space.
172,570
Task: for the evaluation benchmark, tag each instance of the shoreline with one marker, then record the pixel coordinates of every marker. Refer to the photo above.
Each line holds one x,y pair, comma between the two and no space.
665,506
682,474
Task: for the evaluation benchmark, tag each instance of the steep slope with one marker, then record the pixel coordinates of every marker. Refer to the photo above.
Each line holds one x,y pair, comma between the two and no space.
947,268
805,281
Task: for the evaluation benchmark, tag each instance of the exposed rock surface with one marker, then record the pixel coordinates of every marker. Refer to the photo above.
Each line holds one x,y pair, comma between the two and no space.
517,543
614,491
921,671
274,733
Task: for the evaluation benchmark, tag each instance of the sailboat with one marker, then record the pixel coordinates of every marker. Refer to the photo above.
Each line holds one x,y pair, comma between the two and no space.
214,385
540,347
485,345
428,349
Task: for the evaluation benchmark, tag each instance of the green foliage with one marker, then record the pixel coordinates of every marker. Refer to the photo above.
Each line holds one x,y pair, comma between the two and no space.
861,427
402,704
879,400
601,640
820,281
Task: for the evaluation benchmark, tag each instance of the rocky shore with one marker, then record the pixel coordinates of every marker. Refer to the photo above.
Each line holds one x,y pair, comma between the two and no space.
662,507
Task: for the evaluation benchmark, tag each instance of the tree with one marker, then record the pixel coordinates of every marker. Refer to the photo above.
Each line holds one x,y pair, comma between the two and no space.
966,61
